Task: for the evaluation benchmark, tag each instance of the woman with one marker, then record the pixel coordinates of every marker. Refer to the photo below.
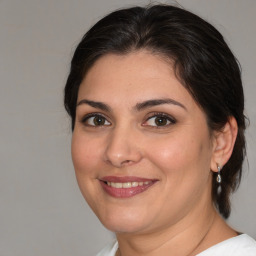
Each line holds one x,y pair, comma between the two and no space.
156,102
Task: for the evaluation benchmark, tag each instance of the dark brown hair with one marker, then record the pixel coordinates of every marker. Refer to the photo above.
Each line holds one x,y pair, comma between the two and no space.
202,60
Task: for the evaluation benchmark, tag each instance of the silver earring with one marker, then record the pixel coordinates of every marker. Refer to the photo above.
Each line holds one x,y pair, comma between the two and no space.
218,179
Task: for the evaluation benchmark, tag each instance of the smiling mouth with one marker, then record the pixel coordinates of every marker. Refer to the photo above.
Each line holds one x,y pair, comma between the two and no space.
133,184
125,187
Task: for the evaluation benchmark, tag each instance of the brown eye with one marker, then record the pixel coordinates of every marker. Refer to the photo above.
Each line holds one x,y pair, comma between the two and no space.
159,120
99,120
96,120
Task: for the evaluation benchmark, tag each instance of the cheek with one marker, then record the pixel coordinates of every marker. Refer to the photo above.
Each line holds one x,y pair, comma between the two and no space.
172,153
85,156
181,158
85,153
180,161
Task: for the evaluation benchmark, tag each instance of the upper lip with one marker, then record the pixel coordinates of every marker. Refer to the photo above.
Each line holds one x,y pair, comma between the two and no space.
125,179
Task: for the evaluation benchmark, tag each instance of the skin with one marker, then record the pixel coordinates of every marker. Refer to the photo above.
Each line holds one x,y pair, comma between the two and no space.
181,155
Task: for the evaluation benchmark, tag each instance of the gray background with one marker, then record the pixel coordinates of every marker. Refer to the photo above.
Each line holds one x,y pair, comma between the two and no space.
42,212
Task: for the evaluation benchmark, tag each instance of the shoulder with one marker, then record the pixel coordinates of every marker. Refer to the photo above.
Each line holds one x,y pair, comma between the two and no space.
109,250
237,246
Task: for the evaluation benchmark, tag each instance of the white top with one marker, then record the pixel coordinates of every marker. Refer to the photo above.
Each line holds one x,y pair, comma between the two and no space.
242,245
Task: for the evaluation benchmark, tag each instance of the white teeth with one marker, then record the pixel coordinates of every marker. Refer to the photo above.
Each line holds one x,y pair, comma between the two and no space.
135,184
116,185
127,184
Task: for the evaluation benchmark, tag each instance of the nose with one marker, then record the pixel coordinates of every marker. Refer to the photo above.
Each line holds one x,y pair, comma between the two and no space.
122,148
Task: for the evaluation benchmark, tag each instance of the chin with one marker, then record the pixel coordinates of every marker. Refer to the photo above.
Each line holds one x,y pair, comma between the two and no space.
129,222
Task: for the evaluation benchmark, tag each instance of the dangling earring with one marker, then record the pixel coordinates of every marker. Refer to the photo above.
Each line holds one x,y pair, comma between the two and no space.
218,179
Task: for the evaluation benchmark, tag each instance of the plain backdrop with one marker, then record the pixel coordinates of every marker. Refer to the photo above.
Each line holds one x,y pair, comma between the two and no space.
41,210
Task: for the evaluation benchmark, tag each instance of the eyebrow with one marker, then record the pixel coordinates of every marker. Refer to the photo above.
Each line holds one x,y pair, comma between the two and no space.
95,104
138,107
156,102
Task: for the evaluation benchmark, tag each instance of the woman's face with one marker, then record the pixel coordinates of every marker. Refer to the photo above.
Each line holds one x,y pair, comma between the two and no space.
141,147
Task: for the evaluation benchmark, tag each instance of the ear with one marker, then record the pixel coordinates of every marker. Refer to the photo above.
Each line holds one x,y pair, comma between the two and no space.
223,144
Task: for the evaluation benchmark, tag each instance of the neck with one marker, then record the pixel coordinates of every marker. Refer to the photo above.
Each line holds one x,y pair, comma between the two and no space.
191,235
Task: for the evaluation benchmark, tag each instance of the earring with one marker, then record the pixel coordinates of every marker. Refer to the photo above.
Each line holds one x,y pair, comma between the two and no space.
218,179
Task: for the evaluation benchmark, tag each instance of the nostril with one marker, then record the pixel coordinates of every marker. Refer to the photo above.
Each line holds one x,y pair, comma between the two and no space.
126,162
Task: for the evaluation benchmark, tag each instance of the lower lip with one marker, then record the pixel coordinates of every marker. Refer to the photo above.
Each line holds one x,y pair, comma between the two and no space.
125,192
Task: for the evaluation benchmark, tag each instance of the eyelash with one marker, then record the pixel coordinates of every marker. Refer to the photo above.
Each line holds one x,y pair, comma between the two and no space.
169,119
87,117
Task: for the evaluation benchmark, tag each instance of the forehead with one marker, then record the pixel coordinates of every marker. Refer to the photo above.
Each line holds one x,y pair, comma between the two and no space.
137,76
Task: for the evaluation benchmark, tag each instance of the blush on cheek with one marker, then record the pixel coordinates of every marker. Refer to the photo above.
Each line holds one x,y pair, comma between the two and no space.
82,155
177,156
169,156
